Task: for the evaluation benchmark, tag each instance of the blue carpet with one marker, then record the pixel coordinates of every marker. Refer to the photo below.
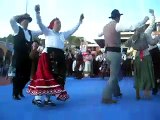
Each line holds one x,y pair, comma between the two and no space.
84,104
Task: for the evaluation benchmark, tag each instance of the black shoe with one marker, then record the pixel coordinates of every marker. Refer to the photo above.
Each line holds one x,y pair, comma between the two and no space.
37,102
154,91
109,101
118,96
138,97
49,102
21,95
16,97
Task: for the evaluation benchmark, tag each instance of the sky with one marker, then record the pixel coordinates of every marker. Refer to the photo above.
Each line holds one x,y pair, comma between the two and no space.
96,13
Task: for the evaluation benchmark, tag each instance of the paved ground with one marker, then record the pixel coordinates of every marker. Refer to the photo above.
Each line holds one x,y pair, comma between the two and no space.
84,104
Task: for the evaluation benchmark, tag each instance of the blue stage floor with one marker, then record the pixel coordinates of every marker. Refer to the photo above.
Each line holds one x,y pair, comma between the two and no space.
84,104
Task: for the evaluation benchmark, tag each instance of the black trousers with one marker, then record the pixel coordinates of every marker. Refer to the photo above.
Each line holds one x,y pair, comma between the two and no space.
155,54
22,63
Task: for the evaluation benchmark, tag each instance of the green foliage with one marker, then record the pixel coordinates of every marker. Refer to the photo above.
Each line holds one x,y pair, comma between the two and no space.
73,40
38,39
8,39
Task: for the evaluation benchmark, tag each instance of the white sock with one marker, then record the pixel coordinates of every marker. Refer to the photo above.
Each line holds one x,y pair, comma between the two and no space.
47,98
38,97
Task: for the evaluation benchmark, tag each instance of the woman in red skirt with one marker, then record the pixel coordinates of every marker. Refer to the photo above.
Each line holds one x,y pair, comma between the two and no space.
44,83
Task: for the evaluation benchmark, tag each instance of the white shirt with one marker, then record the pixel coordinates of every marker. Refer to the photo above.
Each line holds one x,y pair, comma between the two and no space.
15,28
55,39
74,65
154,46
100,58
149,31
121,27
125,28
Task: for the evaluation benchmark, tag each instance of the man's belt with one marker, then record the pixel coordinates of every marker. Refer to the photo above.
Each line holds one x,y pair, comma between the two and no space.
113,49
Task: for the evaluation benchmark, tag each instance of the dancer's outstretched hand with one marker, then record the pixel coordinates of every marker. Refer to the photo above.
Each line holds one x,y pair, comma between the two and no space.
81,17
151,11
37,8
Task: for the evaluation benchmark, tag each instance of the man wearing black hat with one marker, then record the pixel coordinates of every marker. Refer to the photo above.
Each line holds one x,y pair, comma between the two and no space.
22,46
111,32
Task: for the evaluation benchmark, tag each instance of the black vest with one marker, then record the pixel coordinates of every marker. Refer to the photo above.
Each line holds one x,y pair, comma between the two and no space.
20,42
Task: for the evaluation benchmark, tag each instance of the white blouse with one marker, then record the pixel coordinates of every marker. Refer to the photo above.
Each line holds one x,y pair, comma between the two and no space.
52,38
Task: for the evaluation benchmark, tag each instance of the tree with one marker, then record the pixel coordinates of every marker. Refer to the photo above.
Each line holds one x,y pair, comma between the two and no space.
73,40
9,38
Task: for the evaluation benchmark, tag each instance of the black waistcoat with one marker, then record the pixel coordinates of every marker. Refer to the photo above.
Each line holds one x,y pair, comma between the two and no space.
21,45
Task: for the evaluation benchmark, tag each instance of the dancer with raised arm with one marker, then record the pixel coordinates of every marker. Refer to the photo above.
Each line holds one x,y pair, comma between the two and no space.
155,54
111,32
51,72
143,66
22,47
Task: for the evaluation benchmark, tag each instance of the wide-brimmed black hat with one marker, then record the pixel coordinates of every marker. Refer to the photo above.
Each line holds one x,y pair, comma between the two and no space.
115,13
22,17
